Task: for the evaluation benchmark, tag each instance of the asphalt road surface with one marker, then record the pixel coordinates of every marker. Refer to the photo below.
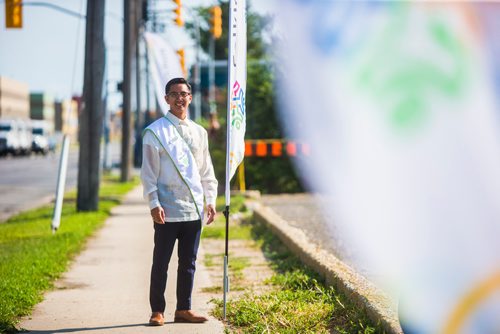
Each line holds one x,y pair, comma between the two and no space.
304,212
27,182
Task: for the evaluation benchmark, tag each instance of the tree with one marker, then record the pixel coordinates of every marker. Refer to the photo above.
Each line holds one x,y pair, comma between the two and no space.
269,175
256,24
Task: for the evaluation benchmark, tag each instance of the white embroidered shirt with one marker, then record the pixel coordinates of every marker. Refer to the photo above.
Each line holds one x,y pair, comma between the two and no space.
163,186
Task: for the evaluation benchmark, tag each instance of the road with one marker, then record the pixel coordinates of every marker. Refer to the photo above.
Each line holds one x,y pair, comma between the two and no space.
303,211
27,182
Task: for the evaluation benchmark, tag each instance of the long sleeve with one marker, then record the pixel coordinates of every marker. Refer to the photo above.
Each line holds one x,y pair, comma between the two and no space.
208,180
150,170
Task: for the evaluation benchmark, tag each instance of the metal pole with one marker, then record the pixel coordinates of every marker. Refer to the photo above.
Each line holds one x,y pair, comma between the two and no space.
106,165
61,182
197,76
211,77
227,190
226,263
241,176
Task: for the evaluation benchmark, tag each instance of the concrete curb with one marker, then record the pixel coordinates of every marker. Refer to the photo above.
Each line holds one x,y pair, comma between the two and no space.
336,273
45,200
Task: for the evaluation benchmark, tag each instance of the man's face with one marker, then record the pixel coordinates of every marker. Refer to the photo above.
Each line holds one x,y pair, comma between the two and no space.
178,98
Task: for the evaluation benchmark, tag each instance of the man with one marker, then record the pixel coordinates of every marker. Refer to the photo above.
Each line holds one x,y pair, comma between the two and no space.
177,175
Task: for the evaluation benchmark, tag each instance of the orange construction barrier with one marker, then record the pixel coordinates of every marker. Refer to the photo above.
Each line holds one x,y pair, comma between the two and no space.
248,149
261,148
291,149
275,148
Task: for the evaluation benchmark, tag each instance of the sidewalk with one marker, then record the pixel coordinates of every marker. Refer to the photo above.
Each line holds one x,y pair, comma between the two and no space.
106,288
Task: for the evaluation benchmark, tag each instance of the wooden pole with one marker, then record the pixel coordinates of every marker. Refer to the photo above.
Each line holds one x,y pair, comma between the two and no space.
91,115
128,54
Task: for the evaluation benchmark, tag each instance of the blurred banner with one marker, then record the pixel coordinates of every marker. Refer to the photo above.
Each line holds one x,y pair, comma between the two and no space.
164,65
236,95
400,104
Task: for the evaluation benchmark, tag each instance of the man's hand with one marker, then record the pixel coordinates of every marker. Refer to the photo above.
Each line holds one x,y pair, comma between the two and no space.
210,214
158,215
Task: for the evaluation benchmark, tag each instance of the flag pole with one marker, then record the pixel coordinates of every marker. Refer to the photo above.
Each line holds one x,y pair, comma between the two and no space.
228,150
236,118
226,262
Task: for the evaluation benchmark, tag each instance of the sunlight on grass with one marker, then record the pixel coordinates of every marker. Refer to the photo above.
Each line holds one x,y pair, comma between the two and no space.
297,300
31,257
238,231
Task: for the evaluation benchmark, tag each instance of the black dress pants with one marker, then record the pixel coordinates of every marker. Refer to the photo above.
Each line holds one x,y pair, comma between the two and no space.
188,234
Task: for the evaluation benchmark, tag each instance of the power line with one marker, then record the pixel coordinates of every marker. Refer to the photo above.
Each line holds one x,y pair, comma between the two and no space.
55,7
65,10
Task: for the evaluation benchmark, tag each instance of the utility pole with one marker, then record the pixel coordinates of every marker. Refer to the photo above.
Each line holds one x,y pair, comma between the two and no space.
128,54
139,119
147,116
211,78
91,115
197,76
215,33
146,17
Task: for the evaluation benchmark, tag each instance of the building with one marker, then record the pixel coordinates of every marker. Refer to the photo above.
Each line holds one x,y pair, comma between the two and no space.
42,107
14,99
66,117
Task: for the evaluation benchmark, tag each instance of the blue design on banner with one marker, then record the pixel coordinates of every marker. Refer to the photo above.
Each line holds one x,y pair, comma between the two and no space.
332,21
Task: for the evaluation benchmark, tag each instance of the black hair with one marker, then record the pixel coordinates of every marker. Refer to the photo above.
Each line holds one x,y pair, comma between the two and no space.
176,81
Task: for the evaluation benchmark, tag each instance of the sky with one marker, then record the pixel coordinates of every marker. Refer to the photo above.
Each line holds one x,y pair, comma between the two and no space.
48,52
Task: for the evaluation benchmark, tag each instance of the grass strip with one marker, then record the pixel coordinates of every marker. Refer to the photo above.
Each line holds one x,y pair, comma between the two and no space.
298,301
31,257
217,230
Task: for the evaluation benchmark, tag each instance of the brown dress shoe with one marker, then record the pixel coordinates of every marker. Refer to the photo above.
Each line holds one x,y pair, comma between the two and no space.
189,316
156,319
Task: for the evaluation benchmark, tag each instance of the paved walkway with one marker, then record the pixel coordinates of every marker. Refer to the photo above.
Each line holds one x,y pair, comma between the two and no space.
106,289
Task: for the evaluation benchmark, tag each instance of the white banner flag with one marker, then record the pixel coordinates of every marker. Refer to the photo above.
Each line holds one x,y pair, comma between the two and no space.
237,80
399,104
164,65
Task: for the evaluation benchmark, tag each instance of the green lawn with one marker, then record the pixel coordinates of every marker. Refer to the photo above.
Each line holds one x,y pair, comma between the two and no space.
31,257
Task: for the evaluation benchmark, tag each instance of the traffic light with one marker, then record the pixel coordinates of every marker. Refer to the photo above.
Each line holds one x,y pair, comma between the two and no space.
13,14
216,21
178,13
182,59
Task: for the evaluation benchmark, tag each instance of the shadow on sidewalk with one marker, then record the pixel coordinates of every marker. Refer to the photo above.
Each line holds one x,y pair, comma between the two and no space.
82,329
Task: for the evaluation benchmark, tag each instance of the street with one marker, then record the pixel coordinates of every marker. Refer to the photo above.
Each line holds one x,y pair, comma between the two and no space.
27,182
304,212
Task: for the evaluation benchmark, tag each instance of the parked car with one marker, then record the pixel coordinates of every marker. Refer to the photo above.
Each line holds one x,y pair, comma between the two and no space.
41,137
25,137
15,137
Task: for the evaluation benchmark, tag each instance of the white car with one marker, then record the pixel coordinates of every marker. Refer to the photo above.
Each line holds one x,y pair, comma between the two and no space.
15,137
40,132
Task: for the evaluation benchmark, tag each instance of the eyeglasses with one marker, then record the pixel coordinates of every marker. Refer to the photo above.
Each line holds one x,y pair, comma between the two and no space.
175,95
